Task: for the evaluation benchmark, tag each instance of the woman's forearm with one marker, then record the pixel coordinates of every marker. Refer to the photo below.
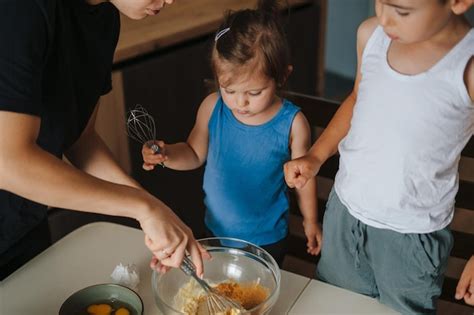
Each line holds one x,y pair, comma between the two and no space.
92,155
43,178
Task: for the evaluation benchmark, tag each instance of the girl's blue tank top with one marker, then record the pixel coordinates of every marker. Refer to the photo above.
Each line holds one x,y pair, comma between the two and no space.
245,191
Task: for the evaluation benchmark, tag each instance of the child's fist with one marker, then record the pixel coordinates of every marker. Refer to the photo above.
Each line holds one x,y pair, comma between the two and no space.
299,171
151,156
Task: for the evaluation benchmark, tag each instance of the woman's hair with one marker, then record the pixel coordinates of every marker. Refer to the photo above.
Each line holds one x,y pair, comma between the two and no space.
251,40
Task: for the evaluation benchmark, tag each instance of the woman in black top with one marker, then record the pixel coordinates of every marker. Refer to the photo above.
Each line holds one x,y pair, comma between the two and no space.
55,63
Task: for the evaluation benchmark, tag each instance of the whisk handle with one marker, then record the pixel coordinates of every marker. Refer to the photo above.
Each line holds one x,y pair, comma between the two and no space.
188,268
154,147
156,150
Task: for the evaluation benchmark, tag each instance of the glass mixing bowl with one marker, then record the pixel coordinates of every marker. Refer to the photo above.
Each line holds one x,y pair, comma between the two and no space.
232,259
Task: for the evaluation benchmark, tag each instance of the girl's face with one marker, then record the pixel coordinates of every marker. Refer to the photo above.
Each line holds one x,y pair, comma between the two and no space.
251,97
412,21
138,9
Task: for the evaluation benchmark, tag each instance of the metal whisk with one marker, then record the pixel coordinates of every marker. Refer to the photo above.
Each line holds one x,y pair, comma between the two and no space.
141,127
216,303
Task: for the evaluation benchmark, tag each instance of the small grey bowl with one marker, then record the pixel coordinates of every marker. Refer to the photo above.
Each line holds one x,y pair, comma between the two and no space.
107,293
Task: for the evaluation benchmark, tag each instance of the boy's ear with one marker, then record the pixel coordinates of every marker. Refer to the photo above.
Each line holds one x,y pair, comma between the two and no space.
461,6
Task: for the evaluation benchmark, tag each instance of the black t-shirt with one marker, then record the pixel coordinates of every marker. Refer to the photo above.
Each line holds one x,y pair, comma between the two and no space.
55,62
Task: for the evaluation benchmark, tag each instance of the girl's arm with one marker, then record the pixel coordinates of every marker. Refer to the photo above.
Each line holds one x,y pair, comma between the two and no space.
306,196
185,155
299,171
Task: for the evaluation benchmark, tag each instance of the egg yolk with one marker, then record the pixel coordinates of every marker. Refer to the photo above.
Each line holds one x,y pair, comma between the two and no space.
99,309
122,311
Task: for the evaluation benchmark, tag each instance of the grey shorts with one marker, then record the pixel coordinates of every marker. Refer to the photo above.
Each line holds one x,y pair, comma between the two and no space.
403,271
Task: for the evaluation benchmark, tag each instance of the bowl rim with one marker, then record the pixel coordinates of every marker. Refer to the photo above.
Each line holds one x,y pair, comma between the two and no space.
277,274
105,284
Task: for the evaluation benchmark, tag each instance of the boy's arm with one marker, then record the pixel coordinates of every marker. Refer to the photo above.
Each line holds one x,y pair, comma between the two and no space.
185,155
299,171
338,127
306,196
469,78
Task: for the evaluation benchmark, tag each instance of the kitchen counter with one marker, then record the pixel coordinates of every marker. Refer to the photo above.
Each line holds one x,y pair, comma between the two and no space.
89,254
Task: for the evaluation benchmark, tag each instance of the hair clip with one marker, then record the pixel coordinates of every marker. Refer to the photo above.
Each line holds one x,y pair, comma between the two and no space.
220,33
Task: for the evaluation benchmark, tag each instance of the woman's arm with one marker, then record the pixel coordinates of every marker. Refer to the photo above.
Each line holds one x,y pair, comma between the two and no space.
90,154
29,171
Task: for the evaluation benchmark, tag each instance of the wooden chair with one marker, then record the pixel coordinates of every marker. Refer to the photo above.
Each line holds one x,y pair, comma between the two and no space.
319,112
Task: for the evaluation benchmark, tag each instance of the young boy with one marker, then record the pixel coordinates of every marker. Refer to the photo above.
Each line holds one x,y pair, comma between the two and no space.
399,134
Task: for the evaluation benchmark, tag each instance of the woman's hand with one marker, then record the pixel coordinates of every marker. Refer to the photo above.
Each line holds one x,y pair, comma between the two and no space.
465,288
169,239
314,235
152,158
299,171
156,264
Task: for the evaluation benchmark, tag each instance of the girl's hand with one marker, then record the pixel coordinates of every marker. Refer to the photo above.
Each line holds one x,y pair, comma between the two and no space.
314,235
150,158
465,288
300,170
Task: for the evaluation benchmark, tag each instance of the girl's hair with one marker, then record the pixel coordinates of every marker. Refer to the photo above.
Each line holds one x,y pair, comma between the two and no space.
252,40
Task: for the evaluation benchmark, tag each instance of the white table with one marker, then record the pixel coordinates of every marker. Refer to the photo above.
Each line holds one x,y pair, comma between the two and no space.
322,298
88,255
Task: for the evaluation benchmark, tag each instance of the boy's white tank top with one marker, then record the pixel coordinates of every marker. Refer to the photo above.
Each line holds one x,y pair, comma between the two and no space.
399,161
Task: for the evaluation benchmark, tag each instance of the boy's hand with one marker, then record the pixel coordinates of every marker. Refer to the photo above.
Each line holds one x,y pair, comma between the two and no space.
299,171
150,158
314,235
465,288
